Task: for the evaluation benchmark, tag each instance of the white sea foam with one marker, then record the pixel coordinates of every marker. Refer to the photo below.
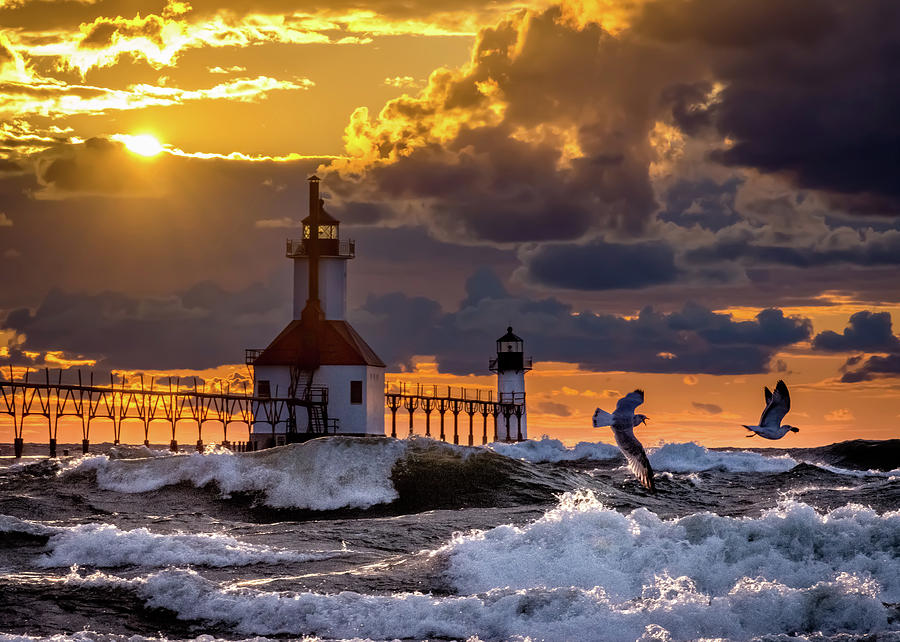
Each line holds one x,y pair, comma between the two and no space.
691,457
585,572
888,474
105,545
94,636
126,451
583,544
323,474
672,607
553,450
10,524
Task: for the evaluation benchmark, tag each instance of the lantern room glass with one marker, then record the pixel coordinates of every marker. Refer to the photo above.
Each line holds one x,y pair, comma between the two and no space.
325,232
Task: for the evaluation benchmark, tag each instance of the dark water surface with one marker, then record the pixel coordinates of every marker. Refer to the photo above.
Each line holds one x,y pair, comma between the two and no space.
382,539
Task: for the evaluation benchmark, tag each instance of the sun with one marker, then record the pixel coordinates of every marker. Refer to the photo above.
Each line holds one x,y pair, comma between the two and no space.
143,144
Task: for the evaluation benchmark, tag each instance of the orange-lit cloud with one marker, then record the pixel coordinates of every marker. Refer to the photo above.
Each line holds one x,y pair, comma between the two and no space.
159,38
48,97
841,414
401,82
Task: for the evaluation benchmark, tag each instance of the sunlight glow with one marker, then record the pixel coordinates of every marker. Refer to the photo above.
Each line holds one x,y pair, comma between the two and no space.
144,144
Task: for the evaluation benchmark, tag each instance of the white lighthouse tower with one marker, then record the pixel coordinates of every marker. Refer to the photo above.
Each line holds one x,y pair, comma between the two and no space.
511,366
321,375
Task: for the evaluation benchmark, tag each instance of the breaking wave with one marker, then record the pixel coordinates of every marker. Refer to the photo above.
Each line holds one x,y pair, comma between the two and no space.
585,544
323,474
341,473
554,451
691,457
585,572
104,545
107,546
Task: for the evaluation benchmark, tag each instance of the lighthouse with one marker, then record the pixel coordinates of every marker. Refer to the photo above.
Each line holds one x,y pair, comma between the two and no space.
321,375
511,366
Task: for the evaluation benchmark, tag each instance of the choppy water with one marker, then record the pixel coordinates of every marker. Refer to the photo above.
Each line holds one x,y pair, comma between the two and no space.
382,539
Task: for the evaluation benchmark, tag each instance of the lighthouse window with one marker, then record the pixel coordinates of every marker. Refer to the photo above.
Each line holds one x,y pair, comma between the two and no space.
356,392
263,389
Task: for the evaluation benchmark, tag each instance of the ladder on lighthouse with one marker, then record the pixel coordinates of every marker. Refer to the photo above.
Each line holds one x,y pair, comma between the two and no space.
316,398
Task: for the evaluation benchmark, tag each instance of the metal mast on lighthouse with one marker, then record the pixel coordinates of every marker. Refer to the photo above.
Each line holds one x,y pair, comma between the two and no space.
312,312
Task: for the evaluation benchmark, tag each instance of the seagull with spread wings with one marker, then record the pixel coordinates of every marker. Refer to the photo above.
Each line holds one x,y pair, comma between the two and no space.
623,422
778,404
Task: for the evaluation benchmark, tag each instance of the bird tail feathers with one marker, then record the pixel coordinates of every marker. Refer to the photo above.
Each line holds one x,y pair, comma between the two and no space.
602,418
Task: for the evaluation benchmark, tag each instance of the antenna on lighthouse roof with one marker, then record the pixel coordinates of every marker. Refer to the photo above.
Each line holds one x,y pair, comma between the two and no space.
312,314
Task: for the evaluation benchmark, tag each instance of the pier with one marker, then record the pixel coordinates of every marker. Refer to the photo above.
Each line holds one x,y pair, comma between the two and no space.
49,397
505,412
145,400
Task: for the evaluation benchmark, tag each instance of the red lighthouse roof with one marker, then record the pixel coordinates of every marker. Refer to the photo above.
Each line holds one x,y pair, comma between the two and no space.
338,345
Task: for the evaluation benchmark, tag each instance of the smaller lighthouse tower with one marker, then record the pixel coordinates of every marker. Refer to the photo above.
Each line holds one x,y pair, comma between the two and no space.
511,366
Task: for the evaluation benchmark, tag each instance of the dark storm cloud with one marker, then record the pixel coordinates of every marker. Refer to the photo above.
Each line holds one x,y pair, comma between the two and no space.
867,331
875,367
739,24
741,243
91,217
97,166
705,203
692,340
708,408
544,137
600,265
8,166
811,88
204,326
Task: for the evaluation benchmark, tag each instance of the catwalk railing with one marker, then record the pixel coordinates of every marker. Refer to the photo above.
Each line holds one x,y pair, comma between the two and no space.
505,409
178,400
136,399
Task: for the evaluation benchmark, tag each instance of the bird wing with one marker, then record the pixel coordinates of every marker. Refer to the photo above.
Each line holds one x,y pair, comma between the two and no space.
634,453
768,394
781,388
630,401
778,406
602,418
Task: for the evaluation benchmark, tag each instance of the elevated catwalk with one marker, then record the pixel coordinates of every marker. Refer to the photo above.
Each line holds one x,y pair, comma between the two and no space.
50,398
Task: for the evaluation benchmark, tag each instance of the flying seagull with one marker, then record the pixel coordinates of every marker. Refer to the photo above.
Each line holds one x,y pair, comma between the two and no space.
623,422
777,405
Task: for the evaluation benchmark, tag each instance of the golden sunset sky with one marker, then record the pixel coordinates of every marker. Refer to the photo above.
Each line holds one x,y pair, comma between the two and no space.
693,197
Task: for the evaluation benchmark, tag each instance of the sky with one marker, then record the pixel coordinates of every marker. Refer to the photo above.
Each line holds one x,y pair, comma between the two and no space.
692,197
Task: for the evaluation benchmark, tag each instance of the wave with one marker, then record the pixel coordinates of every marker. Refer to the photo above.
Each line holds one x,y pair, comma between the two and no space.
15,526
390,475
338,473
126,451
323,474
889,474
691,457
858,454
584,544
553,451
105,545
671,608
